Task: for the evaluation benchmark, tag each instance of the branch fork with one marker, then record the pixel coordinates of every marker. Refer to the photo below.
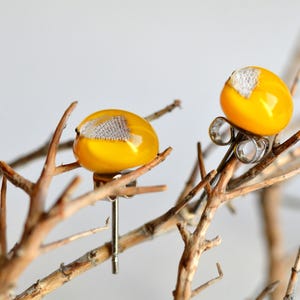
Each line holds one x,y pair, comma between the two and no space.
39,222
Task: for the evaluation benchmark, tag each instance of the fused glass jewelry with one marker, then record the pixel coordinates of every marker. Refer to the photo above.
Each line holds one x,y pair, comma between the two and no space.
258,105
109,142
257,101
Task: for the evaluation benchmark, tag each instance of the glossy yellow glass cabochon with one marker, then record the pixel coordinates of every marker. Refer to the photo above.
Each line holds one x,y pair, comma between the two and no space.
113,140
257,100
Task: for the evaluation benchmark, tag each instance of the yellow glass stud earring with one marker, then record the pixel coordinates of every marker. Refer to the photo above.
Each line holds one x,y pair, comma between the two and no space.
258,105
109,142
257,101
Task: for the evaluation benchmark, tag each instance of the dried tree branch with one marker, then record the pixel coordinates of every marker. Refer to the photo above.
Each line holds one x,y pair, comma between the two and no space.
167,109
180,205
82,264
40,189
58,208
257,169
293,64
66,168
196,244
3,239
267,290
269,207
202,167
286,161
184,232
270,199
135,190
194,248
15,178
212,243
259,185
189,183
38,153
113,187
158,226
295,82
39,222
189,212
289,295
204,286
74,237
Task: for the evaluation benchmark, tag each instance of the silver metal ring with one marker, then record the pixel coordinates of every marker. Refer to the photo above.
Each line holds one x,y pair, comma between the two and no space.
249,148
252,149
221,131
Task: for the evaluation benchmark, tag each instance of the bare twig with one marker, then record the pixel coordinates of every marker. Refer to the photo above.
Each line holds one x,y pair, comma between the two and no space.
259,185
113,187
267,290
257,169
40,189
286,161
58,212
163,111
37,223
196,244
180,205
295,82
74,237
270,205
212,243
158,226
209,283
15,178
135,190
59,206
293,64
189,183
184,232
188,213
202,167
3,240
293,279
66,168
86,262
38,153
31,240
270,200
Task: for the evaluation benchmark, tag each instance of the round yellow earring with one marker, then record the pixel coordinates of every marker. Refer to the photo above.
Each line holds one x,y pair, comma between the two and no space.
112,140
257,100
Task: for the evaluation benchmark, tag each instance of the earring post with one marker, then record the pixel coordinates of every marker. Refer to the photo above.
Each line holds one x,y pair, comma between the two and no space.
115,236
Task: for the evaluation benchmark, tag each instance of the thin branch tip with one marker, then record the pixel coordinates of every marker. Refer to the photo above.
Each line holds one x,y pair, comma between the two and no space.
295,270
219,268
269,289
210,282
169,108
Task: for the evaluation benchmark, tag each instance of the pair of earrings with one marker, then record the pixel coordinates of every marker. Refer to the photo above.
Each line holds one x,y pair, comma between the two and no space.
257,105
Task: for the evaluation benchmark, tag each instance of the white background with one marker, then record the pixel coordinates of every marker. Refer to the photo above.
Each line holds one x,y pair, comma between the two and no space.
139,56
